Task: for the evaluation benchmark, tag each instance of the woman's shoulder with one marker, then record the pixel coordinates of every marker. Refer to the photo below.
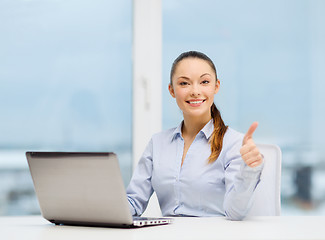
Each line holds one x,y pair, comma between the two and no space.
165,134
232,137
232,142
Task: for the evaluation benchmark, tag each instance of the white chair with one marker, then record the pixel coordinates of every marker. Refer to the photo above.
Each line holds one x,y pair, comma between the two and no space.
267,199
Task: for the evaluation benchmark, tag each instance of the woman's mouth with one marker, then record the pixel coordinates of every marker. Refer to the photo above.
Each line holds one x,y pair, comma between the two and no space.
196,103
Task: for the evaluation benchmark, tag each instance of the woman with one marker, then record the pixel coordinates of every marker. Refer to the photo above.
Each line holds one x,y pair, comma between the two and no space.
202,167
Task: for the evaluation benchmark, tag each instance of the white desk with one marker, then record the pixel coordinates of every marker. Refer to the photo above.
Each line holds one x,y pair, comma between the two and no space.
35,227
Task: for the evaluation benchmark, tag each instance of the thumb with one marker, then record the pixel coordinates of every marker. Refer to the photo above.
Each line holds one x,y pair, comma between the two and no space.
249,134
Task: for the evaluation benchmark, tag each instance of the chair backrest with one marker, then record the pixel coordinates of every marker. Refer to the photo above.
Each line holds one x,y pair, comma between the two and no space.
267,199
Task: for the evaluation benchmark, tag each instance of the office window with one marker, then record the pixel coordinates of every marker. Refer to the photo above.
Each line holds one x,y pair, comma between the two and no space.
270,57
65,85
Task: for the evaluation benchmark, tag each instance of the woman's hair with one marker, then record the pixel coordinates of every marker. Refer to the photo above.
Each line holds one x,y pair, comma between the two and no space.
216,139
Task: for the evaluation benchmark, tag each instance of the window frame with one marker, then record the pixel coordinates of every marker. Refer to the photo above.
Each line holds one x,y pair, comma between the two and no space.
147,73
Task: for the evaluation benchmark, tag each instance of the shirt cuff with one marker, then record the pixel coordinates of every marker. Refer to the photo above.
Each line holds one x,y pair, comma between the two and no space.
132,210
251,172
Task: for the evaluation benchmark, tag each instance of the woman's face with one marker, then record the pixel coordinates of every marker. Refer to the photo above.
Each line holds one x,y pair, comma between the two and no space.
194,85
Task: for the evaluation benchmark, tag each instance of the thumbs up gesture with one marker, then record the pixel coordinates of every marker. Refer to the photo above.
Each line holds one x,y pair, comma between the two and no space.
249,151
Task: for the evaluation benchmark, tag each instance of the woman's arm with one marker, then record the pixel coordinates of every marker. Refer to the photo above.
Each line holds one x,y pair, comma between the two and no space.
140,189
241,181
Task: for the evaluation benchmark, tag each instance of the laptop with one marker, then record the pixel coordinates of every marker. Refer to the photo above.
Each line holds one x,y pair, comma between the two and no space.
83,188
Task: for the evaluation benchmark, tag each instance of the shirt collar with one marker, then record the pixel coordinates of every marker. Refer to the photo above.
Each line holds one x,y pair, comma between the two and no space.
207,130
177,132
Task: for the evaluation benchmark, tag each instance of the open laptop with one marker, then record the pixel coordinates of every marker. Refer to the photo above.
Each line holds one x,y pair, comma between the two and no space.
79,188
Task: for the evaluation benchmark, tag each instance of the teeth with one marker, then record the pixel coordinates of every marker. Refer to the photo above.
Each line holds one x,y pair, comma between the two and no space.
196,102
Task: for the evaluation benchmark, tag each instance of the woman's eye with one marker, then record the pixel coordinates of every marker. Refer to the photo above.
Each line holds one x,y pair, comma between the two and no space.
183,83
205,81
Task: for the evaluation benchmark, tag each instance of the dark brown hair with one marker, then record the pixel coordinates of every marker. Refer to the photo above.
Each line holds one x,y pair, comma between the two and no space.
216,139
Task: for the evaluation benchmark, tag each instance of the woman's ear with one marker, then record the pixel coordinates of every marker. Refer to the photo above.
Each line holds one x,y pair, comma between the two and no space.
217,86
171,90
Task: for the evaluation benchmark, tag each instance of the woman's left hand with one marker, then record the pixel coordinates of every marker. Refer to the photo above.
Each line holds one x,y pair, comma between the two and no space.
249,151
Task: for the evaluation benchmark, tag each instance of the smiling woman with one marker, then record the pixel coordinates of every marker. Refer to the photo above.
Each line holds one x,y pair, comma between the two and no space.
180,163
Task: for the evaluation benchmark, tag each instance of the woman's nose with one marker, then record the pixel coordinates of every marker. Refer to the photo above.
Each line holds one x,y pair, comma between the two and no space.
195,90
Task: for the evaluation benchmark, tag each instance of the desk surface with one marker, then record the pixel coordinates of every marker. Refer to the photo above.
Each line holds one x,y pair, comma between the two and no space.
306,227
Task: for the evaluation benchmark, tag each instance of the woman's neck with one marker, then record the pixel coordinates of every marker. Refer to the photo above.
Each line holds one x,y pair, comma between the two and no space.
192,126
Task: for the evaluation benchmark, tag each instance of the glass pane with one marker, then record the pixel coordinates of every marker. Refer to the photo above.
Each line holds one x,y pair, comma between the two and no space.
65,76
269,56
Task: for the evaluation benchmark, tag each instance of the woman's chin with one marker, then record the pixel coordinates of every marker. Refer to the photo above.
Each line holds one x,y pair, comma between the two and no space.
198,114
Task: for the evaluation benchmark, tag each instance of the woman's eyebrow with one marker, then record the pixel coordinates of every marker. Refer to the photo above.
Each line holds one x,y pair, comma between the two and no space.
184,77
189,78
205,74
